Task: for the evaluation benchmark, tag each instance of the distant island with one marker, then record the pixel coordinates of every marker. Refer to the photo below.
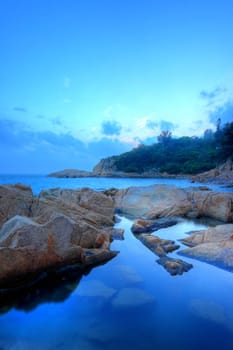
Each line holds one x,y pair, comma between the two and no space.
170,158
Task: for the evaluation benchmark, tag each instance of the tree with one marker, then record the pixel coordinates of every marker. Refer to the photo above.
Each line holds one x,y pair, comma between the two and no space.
165,137
226,142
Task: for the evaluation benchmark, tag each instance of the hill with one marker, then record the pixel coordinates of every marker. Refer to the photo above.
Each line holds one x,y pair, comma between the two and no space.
173,156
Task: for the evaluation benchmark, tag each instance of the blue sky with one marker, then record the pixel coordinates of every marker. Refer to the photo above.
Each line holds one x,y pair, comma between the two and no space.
84,79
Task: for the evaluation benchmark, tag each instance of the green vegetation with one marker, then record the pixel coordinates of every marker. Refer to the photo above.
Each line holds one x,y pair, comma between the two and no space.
185,155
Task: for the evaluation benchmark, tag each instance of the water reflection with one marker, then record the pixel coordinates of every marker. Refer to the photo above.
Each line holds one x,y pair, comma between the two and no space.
53,287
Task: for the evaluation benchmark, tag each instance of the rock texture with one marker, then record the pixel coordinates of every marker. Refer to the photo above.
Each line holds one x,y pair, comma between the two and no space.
212,234
71,173
58,228
152,202
15,199
105,167
160,201
174,266
157,245
214,245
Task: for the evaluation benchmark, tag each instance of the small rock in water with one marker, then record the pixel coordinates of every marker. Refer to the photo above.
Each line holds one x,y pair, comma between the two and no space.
141,226
174,266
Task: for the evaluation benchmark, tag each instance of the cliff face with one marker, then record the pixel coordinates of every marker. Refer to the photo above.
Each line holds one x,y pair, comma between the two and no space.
105,167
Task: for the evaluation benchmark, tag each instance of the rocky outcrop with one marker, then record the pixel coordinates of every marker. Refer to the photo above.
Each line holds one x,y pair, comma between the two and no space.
152,202
214,246
55,229
159,201
15,200
71,173
105,167
220,175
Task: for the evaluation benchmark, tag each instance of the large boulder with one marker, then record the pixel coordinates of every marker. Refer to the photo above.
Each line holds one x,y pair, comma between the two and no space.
14,200
83,204
214,245
60,228
152,202
217,205
158,201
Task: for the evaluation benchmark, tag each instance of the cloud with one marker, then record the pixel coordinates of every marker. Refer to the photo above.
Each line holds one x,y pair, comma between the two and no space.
224,112
23,150
166,125
151,124
20,109
210,95
111,128
56,121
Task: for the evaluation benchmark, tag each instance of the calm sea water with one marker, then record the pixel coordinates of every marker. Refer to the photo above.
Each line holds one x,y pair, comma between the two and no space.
129,303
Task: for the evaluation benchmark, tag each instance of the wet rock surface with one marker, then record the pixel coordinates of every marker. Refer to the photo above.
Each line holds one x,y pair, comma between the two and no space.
174,266
141,226
157,245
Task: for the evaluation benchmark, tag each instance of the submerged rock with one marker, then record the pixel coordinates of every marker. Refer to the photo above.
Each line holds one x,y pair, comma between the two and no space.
174,266
132,297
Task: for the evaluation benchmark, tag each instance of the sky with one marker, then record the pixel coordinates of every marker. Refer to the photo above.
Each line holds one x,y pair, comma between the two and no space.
81,80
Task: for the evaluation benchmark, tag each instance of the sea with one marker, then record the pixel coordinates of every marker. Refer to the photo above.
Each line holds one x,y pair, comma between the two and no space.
131,302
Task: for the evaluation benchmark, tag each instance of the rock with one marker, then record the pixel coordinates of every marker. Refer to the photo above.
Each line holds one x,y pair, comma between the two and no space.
71,173
118,233
161,201
217,253
111,192
174,266
132,297
220,175
152,202
15,199
217,205
156,244
214,245
141,226
105,166
65,227
27,247
84,204
212,234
